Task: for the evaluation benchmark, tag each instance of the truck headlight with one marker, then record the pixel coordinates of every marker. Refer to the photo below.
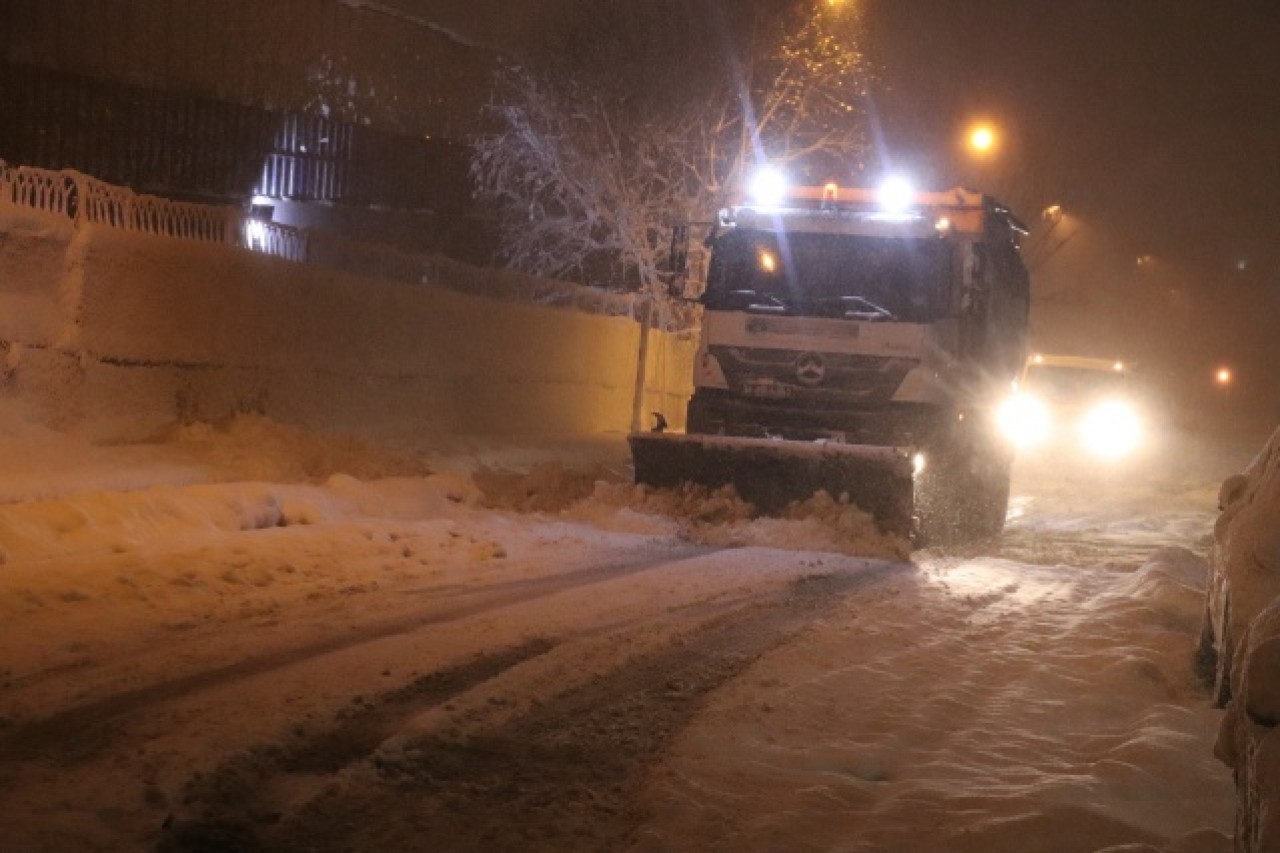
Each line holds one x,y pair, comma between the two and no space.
896,194
1110,430
768,186
1024,420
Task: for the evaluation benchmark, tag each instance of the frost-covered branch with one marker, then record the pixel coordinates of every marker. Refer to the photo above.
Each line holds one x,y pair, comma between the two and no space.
647,115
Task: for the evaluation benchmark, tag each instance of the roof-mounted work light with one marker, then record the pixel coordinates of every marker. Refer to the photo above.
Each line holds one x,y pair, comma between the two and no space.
896,194
769,186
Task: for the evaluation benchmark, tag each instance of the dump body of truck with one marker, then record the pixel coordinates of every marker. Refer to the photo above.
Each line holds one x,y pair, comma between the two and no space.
891,334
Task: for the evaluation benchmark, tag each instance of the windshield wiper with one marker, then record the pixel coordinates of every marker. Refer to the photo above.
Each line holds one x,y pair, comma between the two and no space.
750,300
868,311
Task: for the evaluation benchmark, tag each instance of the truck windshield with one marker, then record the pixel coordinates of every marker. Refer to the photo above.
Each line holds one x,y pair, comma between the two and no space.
830,275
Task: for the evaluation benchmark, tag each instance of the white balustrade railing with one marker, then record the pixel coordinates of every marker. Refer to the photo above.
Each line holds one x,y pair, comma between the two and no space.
270,238
84,199
151,215
52,192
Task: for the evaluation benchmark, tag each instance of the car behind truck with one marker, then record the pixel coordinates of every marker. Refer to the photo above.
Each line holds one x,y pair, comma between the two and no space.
857,341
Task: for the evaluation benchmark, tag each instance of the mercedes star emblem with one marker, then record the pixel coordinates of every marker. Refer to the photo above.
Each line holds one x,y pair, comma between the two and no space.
810,369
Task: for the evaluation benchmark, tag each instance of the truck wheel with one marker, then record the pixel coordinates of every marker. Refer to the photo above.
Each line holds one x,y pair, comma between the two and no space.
940,503
702,420
957,504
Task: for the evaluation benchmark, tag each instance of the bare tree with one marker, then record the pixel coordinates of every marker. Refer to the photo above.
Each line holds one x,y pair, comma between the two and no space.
649,114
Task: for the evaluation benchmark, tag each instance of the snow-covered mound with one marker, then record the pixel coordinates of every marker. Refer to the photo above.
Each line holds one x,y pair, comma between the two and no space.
715,517
252,447
1244,609
39,463
1247,535
1247,741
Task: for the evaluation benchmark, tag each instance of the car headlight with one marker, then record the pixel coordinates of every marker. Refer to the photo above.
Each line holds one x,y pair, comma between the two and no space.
1110,430
1024,420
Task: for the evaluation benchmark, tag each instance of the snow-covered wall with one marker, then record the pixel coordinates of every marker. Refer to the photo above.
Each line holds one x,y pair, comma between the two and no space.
124,334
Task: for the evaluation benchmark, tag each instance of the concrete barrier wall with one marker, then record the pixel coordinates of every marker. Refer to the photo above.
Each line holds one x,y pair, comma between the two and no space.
123,334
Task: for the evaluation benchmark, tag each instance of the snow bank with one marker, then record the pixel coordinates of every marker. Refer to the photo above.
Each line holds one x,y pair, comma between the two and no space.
1246,549
94,533
1248,741
39,463
1246,584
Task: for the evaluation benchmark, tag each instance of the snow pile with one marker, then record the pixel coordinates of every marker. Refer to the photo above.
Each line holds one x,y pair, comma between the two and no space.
1172,580
720,518
1246,556
1247,535
38,463
95,523
1248,742
716,517
252,447
545,487
90,572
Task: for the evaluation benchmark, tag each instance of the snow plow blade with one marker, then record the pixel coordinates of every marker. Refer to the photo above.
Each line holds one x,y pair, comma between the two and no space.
772,474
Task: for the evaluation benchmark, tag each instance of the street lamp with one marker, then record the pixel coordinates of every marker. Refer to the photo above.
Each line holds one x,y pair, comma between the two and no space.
982,139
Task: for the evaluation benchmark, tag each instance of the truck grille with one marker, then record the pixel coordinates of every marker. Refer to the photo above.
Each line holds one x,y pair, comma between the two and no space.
816,376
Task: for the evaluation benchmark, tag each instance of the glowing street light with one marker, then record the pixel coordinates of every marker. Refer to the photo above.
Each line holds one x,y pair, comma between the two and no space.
982,139
1224,376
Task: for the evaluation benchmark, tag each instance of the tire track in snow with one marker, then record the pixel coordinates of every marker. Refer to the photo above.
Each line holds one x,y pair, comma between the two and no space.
251,788
81,732
562,776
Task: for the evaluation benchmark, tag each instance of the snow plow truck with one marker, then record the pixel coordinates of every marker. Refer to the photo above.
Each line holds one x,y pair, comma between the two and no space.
858,341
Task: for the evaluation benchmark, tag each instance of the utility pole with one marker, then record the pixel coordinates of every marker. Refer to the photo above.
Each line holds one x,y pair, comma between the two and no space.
642,362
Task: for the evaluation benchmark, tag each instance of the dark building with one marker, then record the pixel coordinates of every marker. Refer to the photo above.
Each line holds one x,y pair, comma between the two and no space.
326,114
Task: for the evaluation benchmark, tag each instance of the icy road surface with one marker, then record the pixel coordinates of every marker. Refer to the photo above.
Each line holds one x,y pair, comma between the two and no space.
457,662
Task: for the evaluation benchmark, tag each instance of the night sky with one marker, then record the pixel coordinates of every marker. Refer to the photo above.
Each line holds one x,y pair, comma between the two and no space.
1155,125
1159,118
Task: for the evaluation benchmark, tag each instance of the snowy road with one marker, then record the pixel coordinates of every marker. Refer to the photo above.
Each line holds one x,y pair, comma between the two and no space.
397,664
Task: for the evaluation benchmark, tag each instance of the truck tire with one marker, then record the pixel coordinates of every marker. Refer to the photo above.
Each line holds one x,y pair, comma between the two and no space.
940,507
703,419
961,499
